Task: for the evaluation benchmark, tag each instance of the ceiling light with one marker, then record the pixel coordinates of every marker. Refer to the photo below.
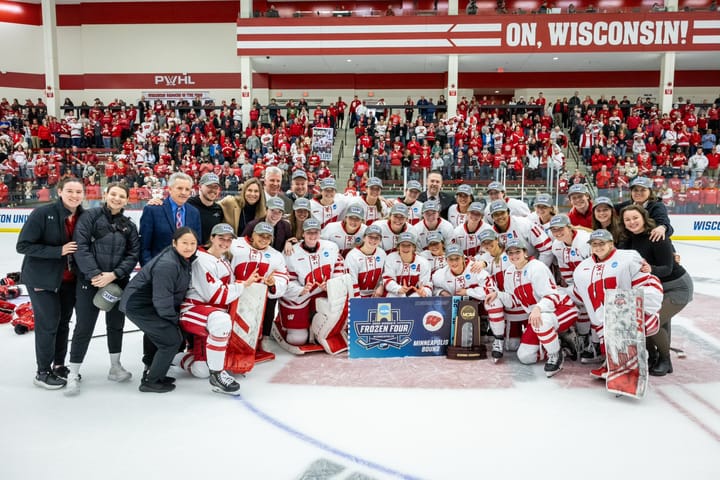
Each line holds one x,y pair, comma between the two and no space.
555,58
349,60
497,91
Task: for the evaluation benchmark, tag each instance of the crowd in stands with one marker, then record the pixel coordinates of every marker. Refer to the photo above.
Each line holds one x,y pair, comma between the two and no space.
141,144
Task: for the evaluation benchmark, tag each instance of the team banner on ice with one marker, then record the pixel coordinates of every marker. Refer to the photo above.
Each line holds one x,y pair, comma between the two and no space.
399,327
502,34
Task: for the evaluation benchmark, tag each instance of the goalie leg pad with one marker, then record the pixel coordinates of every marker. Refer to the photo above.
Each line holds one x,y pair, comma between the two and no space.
279,334
329,325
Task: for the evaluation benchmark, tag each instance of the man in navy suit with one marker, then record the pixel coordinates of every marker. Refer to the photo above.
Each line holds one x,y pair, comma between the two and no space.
159,222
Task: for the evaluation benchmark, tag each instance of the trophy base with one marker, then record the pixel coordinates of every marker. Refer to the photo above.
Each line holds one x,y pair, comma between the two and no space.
476,352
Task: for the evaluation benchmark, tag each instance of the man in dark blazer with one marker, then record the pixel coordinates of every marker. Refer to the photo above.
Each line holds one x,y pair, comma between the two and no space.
159,222
433,192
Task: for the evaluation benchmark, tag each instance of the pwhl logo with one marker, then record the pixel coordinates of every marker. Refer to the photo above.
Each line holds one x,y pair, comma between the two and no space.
174,80
383,329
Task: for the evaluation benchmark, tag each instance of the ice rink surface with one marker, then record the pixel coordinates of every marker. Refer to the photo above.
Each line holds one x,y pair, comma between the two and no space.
322,417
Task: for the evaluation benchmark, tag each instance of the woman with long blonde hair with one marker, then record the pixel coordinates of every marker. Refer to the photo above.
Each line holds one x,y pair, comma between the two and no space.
246,206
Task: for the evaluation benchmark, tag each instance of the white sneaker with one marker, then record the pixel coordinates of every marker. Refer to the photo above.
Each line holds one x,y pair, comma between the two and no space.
73,386
119,374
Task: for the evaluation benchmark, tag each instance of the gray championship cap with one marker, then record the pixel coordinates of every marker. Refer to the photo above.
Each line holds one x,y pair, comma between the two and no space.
106,298
544,199
311,224
499,206
414,185
602,235
560,220
487,235
328,183
209,179
466,189
578,188
301,203
495,186
355,211
602,201
431,206
399,209
641,182
515,244
264,228
222,229
275,203
453,250
373,230
433,237
299,174
374,182
407,237
476,207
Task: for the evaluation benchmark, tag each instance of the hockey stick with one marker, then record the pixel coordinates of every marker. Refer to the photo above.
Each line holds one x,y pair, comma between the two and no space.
679,351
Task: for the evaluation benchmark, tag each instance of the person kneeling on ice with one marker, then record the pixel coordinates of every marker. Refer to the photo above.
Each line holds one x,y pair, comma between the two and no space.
407,274
314,309
609,268
204,312
530,285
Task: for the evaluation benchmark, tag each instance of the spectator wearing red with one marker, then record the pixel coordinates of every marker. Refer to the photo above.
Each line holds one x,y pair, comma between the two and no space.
710,198
581,212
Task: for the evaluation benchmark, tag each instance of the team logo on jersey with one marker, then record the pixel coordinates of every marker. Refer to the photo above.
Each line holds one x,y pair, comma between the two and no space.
334,207
509,235
614,265
383,329
377,259
467,276
358,239
326,254
504,258
413,267
267,254
572,253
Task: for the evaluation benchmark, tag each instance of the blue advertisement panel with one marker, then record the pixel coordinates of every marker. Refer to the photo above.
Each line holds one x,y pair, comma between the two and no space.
399,327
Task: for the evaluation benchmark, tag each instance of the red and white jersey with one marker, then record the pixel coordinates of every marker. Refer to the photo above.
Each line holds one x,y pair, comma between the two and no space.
365,270
534,285
496,267
328,213
620,270
569,257
372,213
336,233
414,274
247,259
518,208
414,211
212,282
469,242
389,238
534,236
535,218
421,231
455,217
476,284
306,267
436,262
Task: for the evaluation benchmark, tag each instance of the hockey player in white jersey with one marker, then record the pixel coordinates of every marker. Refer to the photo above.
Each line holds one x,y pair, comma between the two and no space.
393,227
204,312
434,253
606,269
510,227
407,274
431,222
347,233
457,278
410,200
255,254
466,235
569,248
544,210
365,264
311,266
529,284
373,205
329,206
457,213
495,192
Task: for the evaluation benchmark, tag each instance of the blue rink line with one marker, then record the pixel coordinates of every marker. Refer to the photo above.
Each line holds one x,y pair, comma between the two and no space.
323,446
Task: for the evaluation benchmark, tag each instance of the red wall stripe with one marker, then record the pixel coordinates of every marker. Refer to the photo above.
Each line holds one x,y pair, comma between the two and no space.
147,81
147,12
22,80
22,13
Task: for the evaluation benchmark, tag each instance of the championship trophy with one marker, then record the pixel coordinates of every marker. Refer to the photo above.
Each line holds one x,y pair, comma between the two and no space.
466,343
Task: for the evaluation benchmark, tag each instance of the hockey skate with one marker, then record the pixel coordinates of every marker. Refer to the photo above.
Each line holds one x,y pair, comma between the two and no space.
554,363
570,344
223,382
498,346
591,354
601,373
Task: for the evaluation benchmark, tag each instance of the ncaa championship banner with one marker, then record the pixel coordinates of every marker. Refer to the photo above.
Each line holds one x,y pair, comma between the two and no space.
399,327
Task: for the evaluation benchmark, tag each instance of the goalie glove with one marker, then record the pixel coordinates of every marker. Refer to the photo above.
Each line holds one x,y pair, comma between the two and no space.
23,318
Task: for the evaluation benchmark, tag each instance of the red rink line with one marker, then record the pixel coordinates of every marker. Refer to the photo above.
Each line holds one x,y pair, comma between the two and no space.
696,396
703,311
689,415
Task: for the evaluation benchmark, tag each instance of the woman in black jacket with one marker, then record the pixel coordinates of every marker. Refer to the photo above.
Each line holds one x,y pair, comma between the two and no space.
108,248
46,240
677,283
642,194
152,301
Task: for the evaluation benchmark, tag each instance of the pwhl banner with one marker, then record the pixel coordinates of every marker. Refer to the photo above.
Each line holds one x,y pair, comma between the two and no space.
641,32
399,327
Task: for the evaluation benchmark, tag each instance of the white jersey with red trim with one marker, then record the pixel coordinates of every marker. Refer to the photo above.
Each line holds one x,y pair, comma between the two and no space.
455,217
389,238
569,257
212,282
372,213
247,259
365,270
414,211
518,208
477,284
469,242
535,218
533,235
436,262
414,274
336,233
534,285
421,231
620,270
496,267
329,213
306,267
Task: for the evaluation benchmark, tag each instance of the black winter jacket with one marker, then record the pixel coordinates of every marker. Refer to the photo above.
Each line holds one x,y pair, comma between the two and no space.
106,243
161,286
657,211
41,240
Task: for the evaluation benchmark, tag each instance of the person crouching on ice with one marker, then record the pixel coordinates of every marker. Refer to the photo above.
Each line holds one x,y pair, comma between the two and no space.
204,312
530,284
313,310
609,268
407,274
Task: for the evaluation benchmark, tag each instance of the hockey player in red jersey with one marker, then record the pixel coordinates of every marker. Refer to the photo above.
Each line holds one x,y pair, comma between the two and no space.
530,285
609,268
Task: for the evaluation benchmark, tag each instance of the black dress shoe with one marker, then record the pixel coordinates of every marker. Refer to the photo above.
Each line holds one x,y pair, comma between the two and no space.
662,367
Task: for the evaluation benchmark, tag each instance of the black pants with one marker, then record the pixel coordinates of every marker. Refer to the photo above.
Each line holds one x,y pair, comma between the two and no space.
163,335
86,314
269,316
52,311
